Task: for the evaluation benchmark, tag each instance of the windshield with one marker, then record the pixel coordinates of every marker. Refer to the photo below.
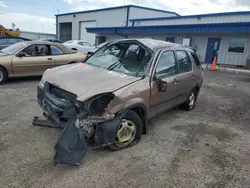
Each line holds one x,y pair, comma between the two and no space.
12,49
127,58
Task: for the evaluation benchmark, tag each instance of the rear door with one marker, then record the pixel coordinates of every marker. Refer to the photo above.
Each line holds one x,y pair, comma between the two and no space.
185,77
165,70
59,57
36,60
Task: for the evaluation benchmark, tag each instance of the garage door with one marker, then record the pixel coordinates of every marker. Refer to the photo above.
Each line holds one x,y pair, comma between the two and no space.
89,37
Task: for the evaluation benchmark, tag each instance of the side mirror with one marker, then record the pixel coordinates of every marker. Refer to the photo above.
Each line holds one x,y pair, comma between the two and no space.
162,85
21,54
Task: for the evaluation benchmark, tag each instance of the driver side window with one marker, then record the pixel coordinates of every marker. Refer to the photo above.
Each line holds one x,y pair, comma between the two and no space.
166,66
36,50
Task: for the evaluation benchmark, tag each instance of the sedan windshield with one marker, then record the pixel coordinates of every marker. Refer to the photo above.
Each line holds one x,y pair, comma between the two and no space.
127,58
12,49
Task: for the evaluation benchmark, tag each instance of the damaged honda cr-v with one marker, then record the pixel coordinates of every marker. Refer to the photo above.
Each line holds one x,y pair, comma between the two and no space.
108,99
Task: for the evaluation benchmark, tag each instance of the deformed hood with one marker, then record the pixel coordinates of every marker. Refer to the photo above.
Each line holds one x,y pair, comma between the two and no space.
85,80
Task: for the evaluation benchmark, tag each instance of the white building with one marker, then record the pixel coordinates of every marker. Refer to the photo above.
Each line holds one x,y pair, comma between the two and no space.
225,35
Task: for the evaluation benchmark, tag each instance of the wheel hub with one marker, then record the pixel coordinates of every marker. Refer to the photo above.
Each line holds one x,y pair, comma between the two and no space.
191,100
1,76
126,132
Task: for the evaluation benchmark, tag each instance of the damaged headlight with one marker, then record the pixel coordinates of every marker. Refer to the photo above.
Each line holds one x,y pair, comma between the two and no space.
108,116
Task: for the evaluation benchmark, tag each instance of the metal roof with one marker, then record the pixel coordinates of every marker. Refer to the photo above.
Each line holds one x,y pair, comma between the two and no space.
118,7
235,27
194,16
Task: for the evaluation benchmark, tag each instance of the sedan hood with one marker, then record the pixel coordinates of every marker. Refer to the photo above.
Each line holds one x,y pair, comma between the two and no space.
85,80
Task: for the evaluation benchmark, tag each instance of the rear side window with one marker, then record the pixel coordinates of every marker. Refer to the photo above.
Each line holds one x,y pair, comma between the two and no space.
166,66
196,59
55,50
183,62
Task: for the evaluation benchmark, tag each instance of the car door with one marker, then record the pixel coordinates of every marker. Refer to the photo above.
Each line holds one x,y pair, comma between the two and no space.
185,77
59,57
165,72
35,60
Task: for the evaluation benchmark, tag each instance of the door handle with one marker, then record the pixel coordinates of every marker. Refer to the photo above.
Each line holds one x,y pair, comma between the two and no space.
49,58
193,76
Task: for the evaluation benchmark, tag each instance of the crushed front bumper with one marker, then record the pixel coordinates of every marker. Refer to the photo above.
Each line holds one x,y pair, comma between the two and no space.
76,138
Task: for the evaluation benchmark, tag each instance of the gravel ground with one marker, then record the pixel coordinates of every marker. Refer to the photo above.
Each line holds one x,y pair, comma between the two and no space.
207,147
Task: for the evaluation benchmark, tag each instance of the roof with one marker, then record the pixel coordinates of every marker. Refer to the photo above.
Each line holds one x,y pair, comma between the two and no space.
235,27
194,16
118,7
153,44
61,46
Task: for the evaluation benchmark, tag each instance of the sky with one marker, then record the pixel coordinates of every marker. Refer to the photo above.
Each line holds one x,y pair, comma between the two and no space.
39,15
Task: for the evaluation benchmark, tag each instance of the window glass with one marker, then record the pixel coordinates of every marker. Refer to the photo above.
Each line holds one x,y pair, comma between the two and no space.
166,66
237,45
55,50
14,48
183,61
118,57
36,50
196,59
84,43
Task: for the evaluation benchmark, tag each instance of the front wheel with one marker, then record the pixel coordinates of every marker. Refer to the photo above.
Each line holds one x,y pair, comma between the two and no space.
3,75
190,102
129,132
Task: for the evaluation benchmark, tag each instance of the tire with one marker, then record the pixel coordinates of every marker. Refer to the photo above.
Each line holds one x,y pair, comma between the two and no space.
191,101
130,118
3,75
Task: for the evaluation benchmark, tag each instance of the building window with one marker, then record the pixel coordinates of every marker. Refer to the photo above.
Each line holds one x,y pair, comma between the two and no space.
237,45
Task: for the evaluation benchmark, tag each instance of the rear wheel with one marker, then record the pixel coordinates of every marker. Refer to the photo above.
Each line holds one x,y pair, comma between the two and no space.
190,102
3,75
128,133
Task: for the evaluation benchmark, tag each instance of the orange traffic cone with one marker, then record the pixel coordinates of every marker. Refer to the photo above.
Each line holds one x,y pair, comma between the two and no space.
213,66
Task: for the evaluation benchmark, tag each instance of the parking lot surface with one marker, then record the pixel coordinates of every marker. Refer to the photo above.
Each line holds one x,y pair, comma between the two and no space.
206,147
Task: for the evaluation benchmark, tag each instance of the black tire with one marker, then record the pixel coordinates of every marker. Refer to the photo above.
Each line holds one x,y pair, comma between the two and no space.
187,105
131,116
3,75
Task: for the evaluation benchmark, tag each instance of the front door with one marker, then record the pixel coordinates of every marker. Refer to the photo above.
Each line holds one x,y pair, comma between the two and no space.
165,71
213,46
36,60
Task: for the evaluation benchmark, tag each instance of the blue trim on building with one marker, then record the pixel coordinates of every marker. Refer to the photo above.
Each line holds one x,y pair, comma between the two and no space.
194,16
118,7
127,18
236,27
57,28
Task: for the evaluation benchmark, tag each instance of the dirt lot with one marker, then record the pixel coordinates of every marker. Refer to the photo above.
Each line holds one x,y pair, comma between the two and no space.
207,147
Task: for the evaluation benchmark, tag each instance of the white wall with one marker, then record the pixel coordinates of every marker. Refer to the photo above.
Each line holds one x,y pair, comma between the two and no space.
136,13
202,20
108,18
231,58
